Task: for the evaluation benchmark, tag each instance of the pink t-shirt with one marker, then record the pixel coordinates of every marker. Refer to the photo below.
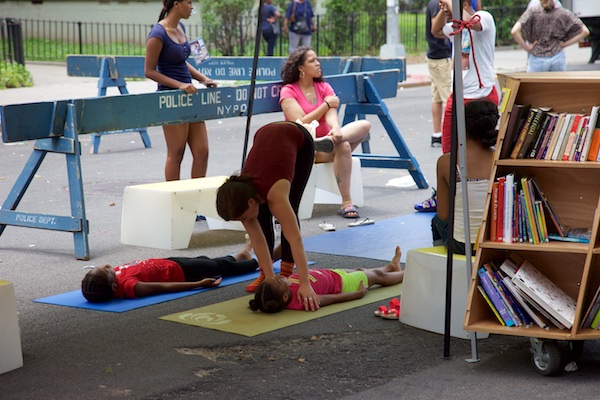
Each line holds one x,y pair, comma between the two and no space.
323,281
151,270
322,90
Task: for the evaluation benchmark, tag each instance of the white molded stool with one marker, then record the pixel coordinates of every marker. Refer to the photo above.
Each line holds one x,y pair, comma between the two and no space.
322,188
11,355
162,215
423,301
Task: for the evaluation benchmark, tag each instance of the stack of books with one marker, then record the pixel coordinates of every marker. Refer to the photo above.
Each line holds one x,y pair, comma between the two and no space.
520,295
538,133
521,213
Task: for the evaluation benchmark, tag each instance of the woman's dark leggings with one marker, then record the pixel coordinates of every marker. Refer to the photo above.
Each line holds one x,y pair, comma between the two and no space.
305,159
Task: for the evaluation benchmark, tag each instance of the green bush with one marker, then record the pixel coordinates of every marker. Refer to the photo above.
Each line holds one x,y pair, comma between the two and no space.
14,75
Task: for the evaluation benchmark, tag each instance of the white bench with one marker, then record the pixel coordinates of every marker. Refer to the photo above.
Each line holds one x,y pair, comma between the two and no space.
423,302
11,355
162,215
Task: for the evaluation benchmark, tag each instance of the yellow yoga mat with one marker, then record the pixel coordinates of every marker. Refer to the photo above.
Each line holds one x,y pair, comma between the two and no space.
234,316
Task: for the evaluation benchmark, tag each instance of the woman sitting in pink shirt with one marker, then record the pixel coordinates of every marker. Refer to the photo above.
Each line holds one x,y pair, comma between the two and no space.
306,97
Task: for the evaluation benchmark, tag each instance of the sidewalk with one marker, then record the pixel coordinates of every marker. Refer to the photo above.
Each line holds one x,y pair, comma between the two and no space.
52,83
507,59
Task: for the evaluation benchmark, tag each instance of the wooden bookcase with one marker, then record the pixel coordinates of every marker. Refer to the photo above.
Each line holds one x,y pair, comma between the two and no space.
573,190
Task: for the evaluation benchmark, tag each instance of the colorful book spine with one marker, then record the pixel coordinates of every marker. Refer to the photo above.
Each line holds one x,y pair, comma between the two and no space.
494,297
489,302
493,226
547,137
593,155
590,133
529,212
523,133
500,225
547,118
507,235
572,137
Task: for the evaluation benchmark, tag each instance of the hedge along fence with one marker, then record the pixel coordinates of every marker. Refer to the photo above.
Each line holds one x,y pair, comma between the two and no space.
357,34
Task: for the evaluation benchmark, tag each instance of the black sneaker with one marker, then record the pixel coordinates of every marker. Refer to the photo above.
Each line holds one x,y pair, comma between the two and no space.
436,141
324,144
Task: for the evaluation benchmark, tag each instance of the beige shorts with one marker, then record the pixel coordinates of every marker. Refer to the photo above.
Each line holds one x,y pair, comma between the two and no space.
440,72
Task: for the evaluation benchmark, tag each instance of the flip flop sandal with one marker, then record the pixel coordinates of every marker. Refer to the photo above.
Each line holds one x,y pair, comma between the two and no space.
327,226
392,314
348,212
381,311
361,221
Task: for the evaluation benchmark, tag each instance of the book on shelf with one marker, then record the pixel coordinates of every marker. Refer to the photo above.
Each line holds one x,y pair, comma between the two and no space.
595,145
558,127
547,208
504,96
596,322
507,230
575,235
541,219
526,308
592,311
541,135
532,132
547,316
541,152
516,120
545,293
529,213
563,138
500,224
571,139
509,303
589,133
581,139
494,296
493,226
523,133
489,302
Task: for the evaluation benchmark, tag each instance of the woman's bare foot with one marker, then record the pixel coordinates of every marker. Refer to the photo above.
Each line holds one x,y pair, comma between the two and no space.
394,264
246,252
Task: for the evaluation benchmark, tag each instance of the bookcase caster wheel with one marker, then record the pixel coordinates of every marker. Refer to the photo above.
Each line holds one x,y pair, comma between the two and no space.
546,357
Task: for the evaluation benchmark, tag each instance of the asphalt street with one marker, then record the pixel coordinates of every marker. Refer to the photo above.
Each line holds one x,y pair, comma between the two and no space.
70,353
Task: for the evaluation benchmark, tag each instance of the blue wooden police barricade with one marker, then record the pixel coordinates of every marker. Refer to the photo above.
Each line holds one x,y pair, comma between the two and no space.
56,125
110,76
112,71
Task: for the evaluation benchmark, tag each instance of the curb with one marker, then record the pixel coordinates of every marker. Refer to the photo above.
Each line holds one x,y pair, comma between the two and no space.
415,81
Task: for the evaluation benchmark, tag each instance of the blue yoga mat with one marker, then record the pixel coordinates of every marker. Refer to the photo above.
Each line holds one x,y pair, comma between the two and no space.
76,299
376,241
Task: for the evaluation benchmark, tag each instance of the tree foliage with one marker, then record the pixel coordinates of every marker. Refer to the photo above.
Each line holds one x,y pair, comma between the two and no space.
228,22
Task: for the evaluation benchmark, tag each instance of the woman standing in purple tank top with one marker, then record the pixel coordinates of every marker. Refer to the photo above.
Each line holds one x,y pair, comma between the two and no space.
167,50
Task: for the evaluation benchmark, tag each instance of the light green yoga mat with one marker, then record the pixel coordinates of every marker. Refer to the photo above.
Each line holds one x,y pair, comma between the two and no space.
234,316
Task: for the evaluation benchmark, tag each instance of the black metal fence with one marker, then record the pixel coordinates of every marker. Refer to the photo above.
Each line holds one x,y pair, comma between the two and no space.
357,34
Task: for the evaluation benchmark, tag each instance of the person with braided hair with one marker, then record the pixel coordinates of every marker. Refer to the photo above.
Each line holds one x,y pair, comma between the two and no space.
481,117
271,184
167,51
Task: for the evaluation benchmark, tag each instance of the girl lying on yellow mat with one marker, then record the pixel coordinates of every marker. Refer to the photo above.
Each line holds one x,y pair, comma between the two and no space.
331,286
